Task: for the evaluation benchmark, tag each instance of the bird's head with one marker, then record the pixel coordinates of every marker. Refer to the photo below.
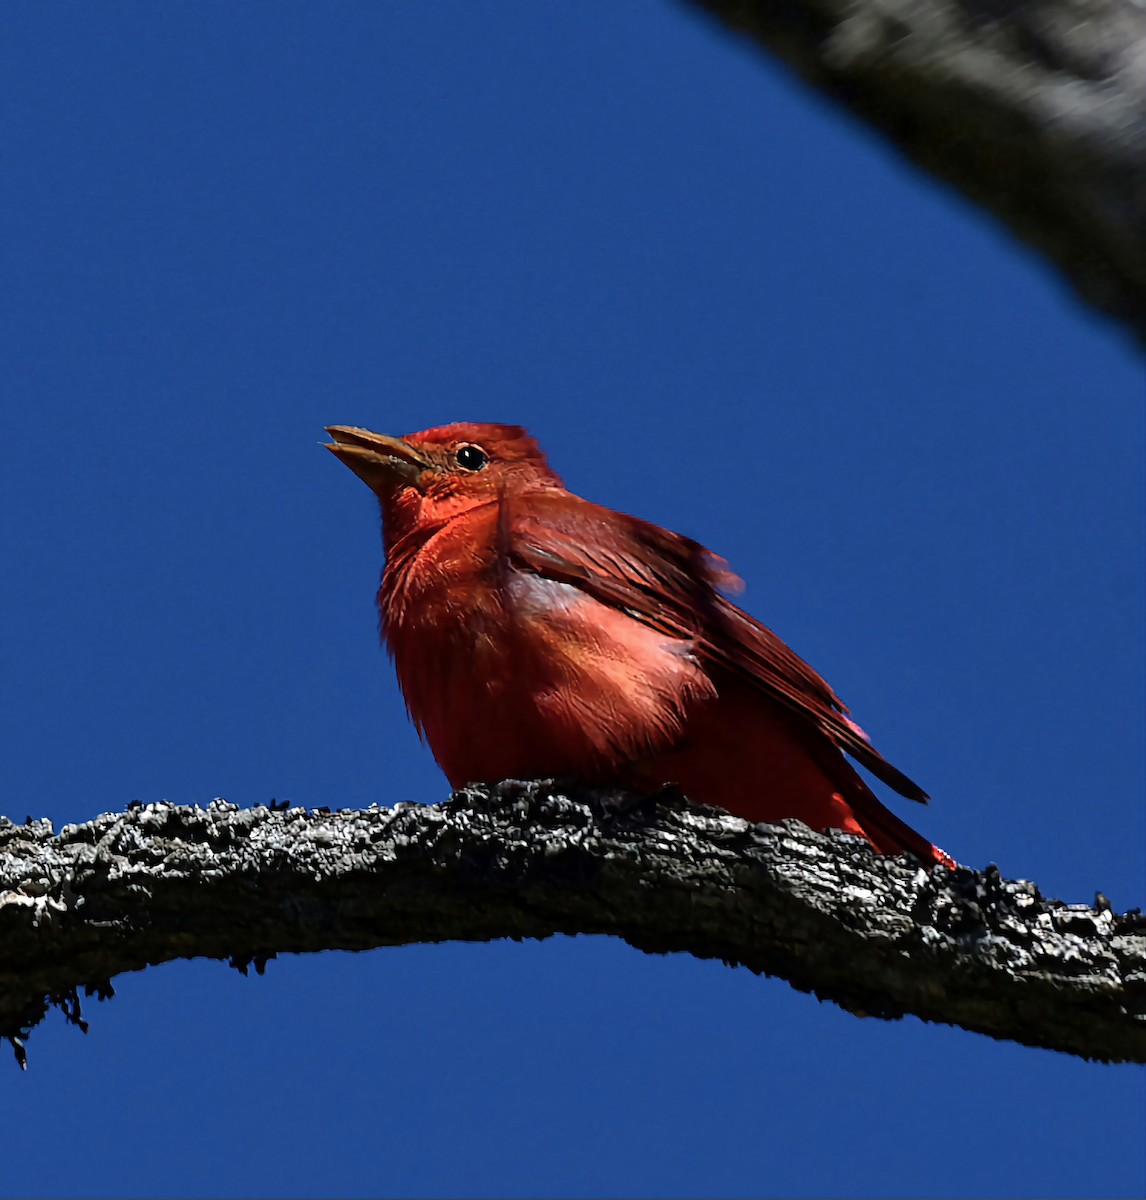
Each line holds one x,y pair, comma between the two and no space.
440,473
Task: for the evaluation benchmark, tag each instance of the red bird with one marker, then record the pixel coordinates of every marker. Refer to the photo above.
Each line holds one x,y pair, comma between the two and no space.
538,635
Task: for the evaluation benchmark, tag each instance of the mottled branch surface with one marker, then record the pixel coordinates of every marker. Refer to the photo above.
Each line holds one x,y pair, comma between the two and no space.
876,935
1036,111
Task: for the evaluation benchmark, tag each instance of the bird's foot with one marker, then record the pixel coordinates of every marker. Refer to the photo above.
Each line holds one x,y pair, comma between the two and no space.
617,808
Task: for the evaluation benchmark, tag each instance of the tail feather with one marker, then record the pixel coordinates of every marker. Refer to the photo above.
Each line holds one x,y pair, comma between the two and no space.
887,833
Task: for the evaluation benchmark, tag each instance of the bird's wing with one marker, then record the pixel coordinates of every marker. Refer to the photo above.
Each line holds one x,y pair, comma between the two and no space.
670,583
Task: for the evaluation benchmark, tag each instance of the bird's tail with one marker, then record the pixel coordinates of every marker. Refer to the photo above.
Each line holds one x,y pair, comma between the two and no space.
886,832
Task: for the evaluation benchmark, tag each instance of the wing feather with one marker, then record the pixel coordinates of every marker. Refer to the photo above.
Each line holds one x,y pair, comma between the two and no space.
671,583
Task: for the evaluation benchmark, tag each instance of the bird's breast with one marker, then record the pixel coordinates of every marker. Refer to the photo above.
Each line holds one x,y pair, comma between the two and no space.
508,673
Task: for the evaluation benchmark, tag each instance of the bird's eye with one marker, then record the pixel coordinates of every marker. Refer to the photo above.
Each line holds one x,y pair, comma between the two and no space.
472,458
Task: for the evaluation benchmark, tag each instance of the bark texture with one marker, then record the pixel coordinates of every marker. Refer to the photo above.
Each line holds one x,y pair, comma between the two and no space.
1036,111
878,936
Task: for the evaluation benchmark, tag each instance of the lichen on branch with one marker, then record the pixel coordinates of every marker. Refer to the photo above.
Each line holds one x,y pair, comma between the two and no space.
877,935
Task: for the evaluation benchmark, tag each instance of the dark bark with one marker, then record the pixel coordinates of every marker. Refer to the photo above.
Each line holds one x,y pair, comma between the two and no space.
879,936
1036,111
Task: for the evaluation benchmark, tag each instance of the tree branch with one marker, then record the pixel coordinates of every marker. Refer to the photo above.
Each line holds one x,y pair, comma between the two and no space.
876,935
1036,111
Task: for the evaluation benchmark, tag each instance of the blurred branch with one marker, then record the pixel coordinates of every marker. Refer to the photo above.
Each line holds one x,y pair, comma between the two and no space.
878,936
1036,111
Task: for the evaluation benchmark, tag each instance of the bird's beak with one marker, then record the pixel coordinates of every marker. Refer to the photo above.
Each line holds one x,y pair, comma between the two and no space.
382,463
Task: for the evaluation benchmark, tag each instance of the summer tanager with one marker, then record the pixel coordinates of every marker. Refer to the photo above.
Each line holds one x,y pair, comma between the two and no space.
536,635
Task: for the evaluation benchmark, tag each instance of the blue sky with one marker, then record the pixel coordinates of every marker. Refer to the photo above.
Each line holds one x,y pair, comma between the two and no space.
721,306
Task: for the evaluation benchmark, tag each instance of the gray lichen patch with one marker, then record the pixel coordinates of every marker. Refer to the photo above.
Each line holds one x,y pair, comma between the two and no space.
877,935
